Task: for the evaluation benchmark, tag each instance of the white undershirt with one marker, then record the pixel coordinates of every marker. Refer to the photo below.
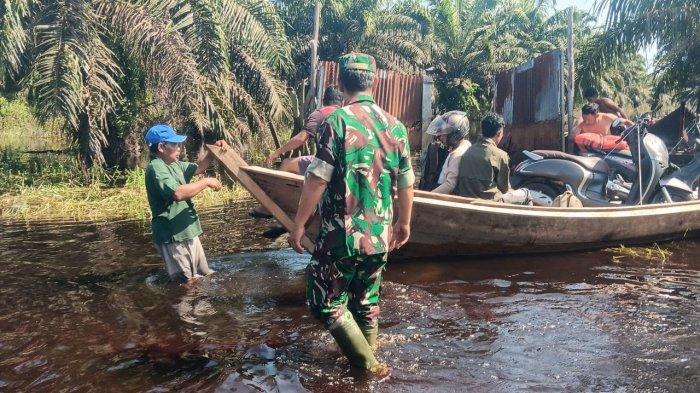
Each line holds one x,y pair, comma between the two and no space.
450,169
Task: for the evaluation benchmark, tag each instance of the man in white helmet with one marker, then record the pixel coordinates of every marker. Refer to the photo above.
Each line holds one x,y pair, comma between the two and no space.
452,129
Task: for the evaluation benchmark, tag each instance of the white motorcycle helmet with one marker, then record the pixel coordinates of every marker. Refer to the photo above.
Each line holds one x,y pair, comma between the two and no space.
454,124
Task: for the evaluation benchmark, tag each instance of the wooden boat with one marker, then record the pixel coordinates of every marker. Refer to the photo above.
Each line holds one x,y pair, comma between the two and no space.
451,226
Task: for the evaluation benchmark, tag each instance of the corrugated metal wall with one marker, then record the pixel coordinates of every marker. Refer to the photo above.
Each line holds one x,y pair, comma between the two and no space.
398,94
530,98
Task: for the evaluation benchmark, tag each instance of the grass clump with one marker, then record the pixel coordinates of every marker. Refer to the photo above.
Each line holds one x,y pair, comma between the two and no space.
95,202
651,253
41,177
38,187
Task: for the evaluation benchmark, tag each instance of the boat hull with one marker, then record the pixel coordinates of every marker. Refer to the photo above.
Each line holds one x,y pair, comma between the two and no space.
451,226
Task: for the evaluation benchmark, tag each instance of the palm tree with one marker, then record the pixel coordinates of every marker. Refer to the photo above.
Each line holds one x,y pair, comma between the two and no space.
212,66
673,26
393,32
476,39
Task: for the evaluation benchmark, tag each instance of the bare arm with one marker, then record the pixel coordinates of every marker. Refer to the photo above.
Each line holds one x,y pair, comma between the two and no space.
311,194
189,191
204,161
616,108
294,143
402,228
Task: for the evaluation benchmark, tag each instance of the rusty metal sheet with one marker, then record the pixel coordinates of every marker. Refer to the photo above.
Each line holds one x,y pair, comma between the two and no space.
399,94
530,99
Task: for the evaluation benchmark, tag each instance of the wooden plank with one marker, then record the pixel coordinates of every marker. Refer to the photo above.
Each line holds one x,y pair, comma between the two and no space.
235,165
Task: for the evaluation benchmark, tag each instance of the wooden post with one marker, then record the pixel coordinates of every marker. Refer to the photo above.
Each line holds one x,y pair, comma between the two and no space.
426,109
236,166
314,46
570,63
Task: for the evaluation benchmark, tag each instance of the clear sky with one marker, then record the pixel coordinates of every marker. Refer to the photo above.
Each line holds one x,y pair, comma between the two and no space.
588,5
585,5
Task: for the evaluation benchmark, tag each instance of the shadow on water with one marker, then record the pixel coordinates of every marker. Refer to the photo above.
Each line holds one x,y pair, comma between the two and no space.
86,307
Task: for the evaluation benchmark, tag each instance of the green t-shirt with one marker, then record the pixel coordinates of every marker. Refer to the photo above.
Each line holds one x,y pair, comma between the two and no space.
172,221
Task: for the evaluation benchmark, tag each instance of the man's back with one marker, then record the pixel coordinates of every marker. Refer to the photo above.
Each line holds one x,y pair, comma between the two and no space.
363,152
483,172
606,105
601,125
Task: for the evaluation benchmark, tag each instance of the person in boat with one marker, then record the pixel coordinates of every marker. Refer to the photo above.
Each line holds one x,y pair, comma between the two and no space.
452,130
483,170
175,224
432,159
605,105
592,130
362,160
332,99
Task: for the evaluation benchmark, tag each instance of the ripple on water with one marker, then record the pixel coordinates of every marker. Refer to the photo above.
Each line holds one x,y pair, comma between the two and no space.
87,306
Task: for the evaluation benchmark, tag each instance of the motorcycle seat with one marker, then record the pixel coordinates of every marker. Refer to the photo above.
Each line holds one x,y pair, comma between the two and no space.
591,163
618,153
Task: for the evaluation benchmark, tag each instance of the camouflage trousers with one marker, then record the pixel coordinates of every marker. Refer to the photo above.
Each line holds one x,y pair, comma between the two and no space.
351,283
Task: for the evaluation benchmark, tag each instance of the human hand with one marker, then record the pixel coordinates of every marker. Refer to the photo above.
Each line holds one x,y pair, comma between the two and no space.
223,145
271,158
400,235
213,183
295,239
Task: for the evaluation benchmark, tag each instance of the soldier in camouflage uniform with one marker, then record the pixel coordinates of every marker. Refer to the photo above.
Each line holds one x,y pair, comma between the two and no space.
362,160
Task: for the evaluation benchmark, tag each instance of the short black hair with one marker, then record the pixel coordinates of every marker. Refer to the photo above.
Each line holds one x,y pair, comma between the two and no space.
153,148
356,80
590,92
332,96
590,109
491,124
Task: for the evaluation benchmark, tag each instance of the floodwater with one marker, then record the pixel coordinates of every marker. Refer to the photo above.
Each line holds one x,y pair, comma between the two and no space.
85,307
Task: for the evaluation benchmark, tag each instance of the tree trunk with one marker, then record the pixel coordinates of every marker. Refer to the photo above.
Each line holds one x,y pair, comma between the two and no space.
123,152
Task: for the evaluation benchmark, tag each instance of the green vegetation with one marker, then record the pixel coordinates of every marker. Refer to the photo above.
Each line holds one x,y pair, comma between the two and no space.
85,78
652,253
235,69
94,202
54,186
673,26
212,68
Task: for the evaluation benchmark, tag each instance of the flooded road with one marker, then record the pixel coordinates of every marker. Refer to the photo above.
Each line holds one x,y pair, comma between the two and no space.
85,307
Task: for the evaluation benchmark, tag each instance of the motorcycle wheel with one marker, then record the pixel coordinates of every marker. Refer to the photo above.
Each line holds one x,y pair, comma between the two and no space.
676,196
546,188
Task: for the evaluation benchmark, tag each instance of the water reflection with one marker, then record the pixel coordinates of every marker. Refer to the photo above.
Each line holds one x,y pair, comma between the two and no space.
87,307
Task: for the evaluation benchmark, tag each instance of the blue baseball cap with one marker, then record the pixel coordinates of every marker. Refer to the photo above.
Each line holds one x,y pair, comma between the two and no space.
163,133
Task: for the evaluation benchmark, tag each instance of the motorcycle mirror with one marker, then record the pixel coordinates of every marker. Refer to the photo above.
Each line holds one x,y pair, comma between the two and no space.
617,127
532,156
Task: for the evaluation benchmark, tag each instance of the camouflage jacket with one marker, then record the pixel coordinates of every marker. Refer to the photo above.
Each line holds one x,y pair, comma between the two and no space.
363,153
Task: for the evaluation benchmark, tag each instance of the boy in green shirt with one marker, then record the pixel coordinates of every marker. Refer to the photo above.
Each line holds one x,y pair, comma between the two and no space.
175,223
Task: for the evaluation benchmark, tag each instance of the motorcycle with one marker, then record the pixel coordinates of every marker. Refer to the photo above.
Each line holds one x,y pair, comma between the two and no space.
552,172
623,167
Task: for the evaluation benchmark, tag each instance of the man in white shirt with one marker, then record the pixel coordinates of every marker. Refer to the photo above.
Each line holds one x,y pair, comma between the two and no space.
452,129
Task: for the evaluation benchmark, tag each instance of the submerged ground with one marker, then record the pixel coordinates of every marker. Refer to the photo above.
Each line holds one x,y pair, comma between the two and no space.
84,307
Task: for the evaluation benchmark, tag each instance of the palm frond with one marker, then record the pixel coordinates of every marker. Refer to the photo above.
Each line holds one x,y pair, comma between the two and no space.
255,77
203,32
255,26
63,36
13,38
170,68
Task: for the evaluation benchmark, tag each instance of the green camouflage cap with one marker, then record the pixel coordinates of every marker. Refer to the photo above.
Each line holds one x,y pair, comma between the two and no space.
357,61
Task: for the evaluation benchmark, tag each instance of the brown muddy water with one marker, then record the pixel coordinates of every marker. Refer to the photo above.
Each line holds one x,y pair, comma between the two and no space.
85,307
